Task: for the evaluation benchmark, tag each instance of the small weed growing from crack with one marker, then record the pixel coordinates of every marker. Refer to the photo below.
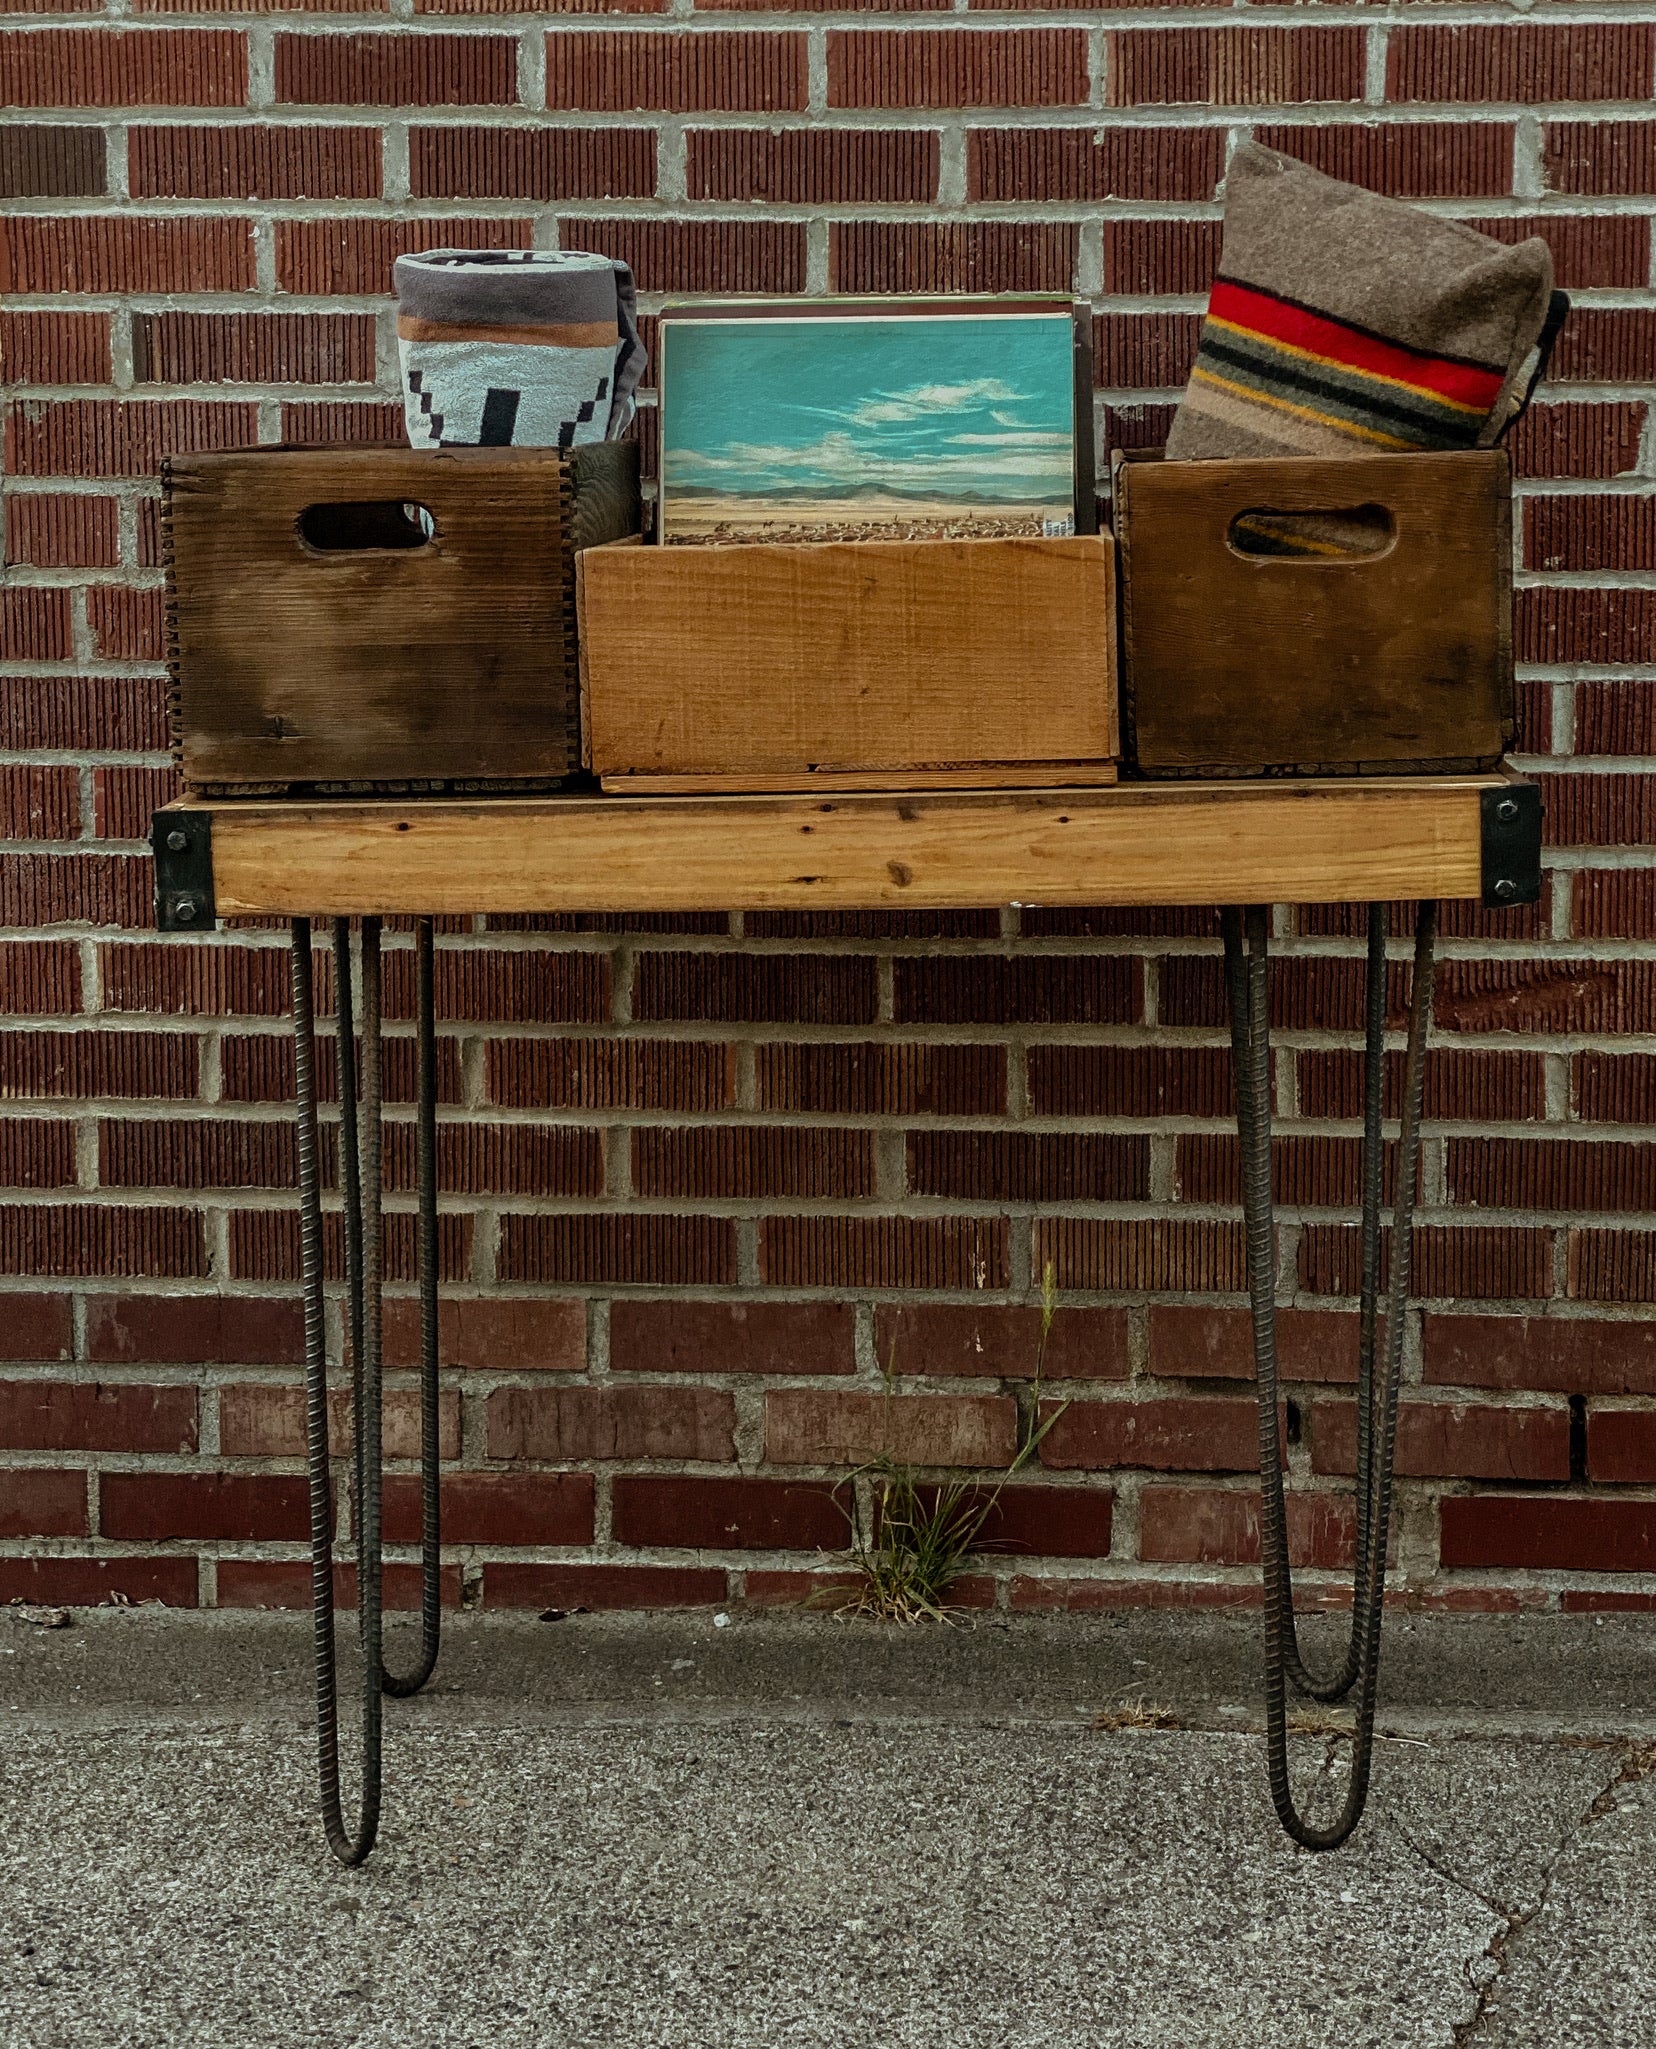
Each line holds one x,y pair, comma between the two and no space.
1135,1714
1317,1721
911,1539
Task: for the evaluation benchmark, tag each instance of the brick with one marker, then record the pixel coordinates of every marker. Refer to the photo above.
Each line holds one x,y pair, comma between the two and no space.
1609,345
1135,351
1482,1087
1169,1435
264,1246
752,1161
969,256
1192,1343
1577,441
731,1337
84,437
1406,160
217,161
1220,1526
808,166
1135,426
698,256
607,1074
1558,995
50,1415
1002,1340
1021,989
1551,1174
1609,1088
883,1252
91,1582
1610,1266
106,67
1447,1263
688,72
1305,994
1157,256
192,980
1529,62
1130,1081
611,1423
35,1153
1138,1256
39,978
1452,1440
882,1079
522,988
123,252
65,889
496,1509
199,1330
199,1153
1311,1172
259,1069
125,799
736,988
37,1329
35,625
54,348
1573,624
1600,156
577,1588
1093,163
257,1420
1586,533
491,1334
527,7
62,530
502,1159
1521,1531
306,421
531,163
1027,1167
926,924
1233,67
253,348
1621,1446
1041,67
40,162
1609,249
85,1238
396,70
726,1514
1031,1520
236,1507
39,803
39,1503
320,257
805,1426
1616,718
603,1246
127,626
286,1583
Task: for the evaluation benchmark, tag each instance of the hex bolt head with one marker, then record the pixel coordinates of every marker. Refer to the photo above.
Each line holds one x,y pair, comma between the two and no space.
184,910
1506,811
1506,889
177,842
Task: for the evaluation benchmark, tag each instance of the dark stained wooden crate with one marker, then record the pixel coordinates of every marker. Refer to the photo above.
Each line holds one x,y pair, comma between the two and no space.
382,617
1251,664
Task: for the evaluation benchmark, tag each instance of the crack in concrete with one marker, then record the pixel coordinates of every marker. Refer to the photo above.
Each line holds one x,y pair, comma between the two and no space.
1638,1760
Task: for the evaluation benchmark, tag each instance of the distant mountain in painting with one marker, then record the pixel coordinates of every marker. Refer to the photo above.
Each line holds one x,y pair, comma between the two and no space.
915,422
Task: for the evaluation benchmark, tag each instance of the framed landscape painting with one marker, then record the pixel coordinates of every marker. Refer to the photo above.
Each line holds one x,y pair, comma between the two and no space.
858,419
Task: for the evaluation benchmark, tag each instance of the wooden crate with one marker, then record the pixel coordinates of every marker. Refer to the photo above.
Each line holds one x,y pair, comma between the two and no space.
321,638
1248,664
850,665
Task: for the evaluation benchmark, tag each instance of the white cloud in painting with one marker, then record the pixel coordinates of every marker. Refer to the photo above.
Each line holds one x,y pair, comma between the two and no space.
926,401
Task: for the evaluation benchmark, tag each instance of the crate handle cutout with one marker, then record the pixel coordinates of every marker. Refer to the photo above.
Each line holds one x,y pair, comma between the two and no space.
353,526
1345,533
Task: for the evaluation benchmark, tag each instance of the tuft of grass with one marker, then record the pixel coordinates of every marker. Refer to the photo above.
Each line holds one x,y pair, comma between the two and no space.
1321,1721
1135,1714
911,1540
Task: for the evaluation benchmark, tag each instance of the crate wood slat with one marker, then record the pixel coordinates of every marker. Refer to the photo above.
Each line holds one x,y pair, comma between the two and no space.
881,656
1241,664
1304,842
1036,775
447,664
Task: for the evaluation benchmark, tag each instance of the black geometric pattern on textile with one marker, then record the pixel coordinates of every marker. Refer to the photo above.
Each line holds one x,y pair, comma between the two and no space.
583,415
500,410
416,383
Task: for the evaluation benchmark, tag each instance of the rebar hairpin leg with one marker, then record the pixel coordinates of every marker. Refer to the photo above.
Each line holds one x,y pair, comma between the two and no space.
361,1175
1247,980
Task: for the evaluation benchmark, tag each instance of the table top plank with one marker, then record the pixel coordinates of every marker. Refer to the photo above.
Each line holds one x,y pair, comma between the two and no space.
1137,843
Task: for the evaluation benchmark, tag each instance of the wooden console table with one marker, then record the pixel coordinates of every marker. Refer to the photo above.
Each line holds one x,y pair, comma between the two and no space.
1372,841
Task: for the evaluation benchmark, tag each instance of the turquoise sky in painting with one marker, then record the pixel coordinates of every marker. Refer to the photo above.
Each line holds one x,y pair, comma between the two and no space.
951,407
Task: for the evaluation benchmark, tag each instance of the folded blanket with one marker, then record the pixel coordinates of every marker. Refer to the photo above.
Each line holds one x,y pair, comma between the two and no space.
1342,322
516,348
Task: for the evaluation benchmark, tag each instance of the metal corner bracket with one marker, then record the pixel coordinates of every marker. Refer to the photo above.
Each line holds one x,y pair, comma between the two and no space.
1510,844
182,842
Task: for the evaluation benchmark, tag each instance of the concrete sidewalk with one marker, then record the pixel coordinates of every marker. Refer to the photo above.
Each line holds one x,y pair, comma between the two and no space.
612,1833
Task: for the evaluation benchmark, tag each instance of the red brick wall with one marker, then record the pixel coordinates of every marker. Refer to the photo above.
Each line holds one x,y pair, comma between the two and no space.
708,1165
